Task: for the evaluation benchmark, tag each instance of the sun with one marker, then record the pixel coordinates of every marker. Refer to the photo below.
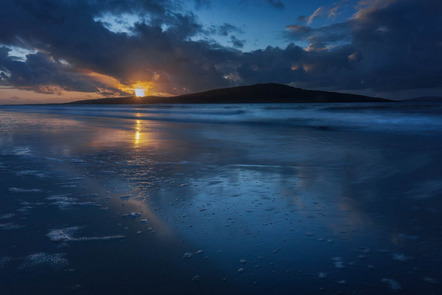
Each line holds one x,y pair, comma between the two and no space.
140,92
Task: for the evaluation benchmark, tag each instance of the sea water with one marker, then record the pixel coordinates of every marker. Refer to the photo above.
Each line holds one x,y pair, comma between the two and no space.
221,199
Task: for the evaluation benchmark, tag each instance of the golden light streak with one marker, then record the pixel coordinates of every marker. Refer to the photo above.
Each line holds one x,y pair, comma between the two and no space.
103,79
138,88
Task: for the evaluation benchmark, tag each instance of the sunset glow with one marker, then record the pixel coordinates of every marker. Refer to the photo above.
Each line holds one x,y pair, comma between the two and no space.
139,88
140,92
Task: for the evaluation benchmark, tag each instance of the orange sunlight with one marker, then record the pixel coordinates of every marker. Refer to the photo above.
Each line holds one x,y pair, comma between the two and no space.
140,92
139,88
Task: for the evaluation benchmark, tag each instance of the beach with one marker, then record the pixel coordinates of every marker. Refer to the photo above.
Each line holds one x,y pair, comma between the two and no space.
220,199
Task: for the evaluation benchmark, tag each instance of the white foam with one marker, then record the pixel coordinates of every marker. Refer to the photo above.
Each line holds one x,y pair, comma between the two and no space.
62,234
69,186
22,151
36,173
322,275
337,261
77,161
54,159
408,237
342,282
401,257
61,198
432,281
103,238
188,255
10,226
7,216
24,209
65,202
24,190
394,285
54,260
132,215
4,260
31,203
67,235
339,264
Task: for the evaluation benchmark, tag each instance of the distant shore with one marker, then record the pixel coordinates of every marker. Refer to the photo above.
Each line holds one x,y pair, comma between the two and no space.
259,93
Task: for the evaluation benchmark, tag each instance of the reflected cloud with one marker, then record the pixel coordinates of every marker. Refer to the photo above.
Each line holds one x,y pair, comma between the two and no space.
157,225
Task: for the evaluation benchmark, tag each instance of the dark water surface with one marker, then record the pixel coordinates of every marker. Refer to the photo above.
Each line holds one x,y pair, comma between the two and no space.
249,199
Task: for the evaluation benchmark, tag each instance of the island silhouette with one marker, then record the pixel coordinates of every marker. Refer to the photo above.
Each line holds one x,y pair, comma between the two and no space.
258,93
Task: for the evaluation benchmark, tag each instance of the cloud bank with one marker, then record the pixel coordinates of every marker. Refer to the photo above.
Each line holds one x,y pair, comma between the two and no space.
111,46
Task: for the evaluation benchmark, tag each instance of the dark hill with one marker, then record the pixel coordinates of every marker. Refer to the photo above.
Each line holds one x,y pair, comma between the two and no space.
259,93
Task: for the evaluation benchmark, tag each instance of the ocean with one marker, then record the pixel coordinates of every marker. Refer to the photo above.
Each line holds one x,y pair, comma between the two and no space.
221,199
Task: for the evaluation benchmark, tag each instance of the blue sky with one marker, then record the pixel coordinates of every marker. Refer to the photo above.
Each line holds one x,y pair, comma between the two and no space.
63,50
262,24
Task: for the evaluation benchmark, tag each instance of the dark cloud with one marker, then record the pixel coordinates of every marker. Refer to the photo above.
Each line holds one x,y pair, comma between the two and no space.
400,46
272,65
299,32
223,30
67,30
323,37
227,29
237,43
302,18
199,4
40,73
276,3
392,47
388,47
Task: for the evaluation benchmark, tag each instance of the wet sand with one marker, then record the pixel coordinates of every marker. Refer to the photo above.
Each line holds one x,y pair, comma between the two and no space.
106,205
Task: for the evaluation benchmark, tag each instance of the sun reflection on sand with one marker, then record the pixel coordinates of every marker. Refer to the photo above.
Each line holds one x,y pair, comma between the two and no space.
137,133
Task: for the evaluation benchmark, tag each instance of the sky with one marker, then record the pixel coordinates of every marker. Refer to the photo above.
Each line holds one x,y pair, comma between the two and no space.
63,50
